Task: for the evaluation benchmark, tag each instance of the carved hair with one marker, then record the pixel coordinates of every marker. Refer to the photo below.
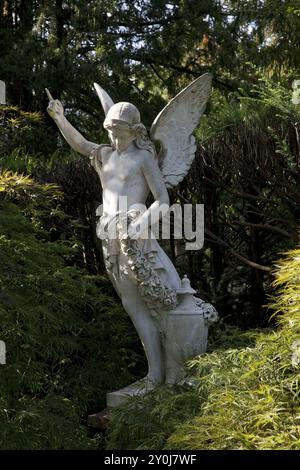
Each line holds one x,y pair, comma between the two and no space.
126,115
142,140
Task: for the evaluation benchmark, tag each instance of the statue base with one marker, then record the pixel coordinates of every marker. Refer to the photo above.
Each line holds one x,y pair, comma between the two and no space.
139,388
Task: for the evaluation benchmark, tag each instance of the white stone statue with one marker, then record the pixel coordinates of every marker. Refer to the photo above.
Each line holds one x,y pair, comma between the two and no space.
142,274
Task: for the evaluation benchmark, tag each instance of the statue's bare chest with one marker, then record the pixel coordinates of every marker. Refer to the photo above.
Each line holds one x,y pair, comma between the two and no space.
123,168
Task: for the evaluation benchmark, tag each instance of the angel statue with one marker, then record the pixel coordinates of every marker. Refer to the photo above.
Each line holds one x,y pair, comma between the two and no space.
129,169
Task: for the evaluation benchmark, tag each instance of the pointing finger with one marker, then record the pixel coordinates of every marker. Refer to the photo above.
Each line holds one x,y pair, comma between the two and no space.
49,94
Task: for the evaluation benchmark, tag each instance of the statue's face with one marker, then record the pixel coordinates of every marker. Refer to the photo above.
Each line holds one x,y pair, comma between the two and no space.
121,137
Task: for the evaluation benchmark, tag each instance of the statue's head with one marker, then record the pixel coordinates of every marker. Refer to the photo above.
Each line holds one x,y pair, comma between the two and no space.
123,123
123,114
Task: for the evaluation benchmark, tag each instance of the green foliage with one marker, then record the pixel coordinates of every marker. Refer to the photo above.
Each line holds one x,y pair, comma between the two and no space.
42,203
146,422
138,48
49,423
29,146
288,298
245,174
67,337
253,393
268,106
25,190
27,131
246,393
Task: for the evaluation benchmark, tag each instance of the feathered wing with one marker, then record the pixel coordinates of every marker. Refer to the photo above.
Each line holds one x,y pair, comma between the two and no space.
104,98
173,128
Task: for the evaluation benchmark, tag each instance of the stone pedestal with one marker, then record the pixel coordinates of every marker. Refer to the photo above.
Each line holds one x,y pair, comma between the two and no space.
118,397
186,333
186,337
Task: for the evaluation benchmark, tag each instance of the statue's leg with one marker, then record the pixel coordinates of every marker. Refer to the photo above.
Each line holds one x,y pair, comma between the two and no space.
146,327
148,330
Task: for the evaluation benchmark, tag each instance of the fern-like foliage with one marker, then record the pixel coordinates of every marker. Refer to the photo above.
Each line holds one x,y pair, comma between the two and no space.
247,388
66,335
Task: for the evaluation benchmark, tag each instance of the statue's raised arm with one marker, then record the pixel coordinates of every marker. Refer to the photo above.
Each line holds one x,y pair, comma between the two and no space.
72,136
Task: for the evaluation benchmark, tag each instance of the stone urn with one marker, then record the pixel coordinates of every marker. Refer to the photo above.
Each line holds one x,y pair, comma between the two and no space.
186,331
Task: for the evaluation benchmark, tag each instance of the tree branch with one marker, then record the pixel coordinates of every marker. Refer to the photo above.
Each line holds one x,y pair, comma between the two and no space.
237,255
266,227
161,22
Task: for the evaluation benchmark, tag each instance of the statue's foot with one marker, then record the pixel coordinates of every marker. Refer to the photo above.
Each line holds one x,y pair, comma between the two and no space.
139,388
148,383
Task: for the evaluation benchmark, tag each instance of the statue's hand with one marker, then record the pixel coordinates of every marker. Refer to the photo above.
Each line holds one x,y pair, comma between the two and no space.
138,226
134,231
55,108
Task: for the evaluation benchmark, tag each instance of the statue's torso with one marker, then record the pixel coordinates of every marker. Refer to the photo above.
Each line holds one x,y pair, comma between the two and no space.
122,175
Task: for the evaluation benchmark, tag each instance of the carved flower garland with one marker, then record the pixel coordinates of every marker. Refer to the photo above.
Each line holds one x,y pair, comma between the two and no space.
210,314
154,293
